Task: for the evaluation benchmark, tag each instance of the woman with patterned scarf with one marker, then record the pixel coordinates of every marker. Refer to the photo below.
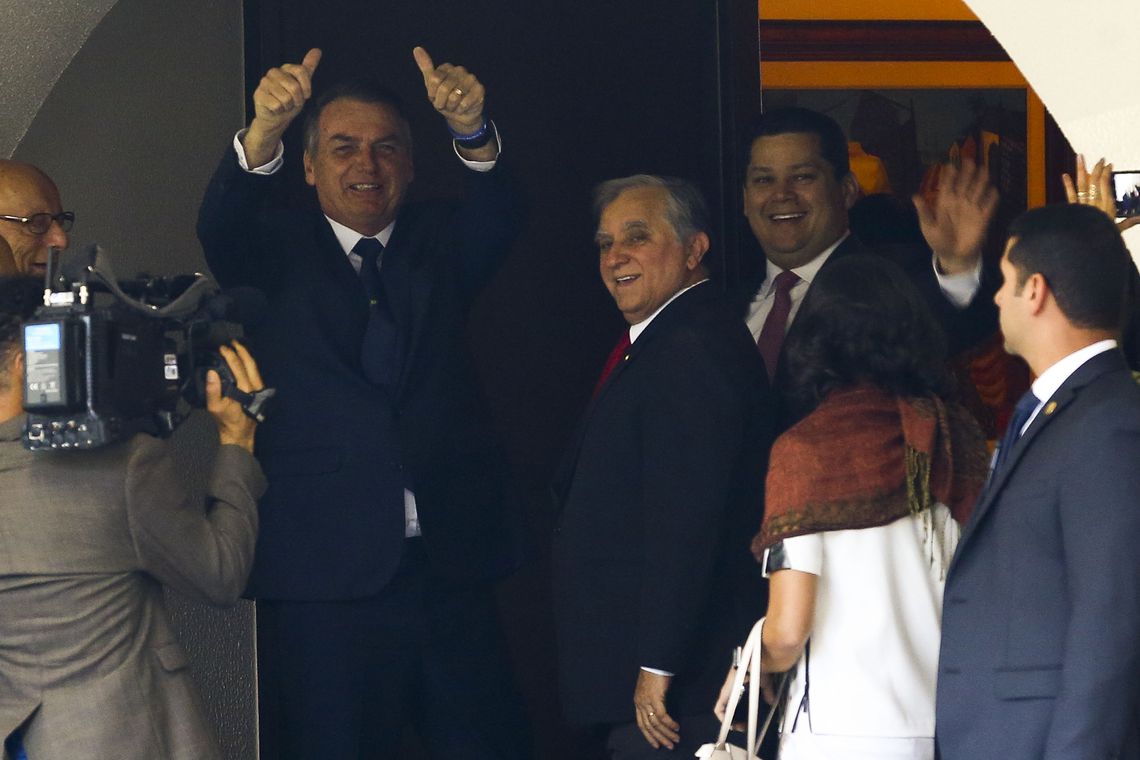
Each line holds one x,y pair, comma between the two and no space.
865,498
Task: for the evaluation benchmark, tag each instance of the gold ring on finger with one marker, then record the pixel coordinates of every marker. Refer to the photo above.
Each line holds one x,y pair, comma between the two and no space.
1082,196
458,92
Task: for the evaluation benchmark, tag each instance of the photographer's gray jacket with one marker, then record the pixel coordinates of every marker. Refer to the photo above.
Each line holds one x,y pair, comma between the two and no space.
87,540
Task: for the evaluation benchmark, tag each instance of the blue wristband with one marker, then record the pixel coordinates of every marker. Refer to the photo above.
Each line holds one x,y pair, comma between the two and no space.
480,132
475,140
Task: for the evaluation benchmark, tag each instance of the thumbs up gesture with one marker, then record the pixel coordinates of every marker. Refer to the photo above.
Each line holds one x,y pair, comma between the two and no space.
453,91
278,99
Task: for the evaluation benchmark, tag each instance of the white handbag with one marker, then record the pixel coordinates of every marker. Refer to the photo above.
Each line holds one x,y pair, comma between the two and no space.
750,663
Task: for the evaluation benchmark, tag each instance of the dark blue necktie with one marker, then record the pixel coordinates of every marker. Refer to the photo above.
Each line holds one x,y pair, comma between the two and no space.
380,354
369,250
1025,406
14,747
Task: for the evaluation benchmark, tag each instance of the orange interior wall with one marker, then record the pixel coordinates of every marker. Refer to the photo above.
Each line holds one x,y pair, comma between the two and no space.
903,74
894,10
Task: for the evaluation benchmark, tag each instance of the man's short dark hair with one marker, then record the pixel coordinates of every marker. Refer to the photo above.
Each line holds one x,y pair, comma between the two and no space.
685,207
864,321
19,298
782,121
1082,257
362,90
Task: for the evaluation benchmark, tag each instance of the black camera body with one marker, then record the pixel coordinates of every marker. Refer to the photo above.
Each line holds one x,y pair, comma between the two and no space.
106,359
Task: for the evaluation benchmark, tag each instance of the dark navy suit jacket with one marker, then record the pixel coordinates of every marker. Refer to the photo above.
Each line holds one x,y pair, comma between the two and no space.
661,492
338,451
1040,655
962,327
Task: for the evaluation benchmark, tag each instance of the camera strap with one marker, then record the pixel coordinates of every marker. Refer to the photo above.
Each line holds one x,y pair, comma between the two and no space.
253,404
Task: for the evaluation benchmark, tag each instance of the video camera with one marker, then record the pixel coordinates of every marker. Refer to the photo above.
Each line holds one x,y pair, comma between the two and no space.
105,359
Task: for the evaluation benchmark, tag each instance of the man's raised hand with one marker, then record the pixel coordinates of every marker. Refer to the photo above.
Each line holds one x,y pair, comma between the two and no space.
453,91
278,99
955,224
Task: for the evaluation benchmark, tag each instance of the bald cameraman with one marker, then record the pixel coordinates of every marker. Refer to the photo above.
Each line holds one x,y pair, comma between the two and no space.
89,667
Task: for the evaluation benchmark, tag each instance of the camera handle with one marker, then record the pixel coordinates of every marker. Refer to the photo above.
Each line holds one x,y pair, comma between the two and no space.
253,404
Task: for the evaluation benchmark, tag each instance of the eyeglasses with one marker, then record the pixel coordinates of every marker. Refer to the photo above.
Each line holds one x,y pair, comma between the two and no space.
38,224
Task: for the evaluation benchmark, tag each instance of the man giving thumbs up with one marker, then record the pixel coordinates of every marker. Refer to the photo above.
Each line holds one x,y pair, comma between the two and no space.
386,519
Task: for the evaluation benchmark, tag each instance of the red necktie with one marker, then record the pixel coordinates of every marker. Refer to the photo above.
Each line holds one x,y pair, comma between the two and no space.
776,325
612,362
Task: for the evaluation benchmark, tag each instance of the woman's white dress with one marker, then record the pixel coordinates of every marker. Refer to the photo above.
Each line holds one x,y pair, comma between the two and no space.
872,658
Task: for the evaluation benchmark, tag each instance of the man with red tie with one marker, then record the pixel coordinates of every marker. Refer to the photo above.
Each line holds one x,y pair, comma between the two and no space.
653,581
798,188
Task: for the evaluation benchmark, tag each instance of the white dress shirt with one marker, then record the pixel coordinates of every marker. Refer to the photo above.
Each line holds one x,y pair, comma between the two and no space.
959,289
637,329
278,159
348,239
1053,378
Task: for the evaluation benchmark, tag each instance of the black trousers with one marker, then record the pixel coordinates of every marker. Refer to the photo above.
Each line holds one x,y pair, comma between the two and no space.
626,742
342,680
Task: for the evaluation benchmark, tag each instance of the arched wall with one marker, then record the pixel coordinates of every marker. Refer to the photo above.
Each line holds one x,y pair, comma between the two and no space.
40,39
1085,65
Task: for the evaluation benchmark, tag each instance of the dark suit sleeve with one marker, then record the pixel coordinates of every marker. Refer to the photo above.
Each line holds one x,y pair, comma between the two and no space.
230,224
966,326
203,550
1100,529
486,223
690,448
1131,342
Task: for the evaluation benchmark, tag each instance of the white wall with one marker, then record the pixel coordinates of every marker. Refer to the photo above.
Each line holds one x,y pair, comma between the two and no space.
1084,61
38,43
133,127
129,105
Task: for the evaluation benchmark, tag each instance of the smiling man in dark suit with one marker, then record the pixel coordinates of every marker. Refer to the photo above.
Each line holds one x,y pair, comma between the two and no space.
660,486
1040,655
798,189
386,516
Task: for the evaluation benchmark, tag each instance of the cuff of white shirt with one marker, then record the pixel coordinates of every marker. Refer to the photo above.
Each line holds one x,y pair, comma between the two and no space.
959,289
481,166
278,160
268,168
657,672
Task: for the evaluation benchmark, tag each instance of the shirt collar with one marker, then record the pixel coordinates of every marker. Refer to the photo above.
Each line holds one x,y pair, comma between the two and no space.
639,328
805,272
348,237
1053,378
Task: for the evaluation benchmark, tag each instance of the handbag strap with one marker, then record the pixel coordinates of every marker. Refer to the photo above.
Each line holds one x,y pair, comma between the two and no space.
750,662
743,666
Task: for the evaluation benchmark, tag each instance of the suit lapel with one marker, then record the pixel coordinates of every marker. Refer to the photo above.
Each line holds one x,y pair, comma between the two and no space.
676,312
336,292
1052,409
851,246
408,288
